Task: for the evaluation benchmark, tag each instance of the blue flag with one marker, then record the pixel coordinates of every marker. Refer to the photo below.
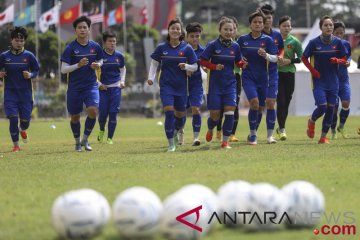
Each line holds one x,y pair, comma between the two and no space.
25,17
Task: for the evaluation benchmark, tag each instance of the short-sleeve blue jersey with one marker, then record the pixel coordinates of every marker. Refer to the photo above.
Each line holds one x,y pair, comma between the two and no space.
257,68
82,78
223,81
14,65
279,42
195,81
343,72
110,70
173,80
320,54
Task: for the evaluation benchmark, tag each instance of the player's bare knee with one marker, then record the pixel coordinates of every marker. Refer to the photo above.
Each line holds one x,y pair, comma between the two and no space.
169,108
215,115
254,104
195,110
179,114
75,118
229,109
345,104
270,103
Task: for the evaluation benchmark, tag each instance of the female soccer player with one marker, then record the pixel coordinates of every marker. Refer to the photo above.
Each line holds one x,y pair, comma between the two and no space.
292,54
193,35
176,59
256,48
344,85
232,137
327,53
112,80
79,60
219,57
18,66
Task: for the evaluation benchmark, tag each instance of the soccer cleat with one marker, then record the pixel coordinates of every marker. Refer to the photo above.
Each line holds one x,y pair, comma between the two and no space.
281,135
343,133
180,137
252,140
86,145
310,129
16,149
109,141
196,142
78,147
24,136
271,140
333,135
100,137
209,136
218,135
323,140
176,137
232,138
225,145
358,131
171,148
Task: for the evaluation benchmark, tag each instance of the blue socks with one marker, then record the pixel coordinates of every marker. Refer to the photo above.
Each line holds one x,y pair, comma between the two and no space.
228,125
14,129
102,122
24,124
169,124
327,121
75,127
270,119
89,125
318,112
112,124
344,113
253,119
196,123
258,120
211,123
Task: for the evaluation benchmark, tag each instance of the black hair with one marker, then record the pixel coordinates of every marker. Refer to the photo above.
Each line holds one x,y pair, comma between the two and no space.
224,20
284,19
82,19
323,19
108,34
338,23
234,20
18,32
257,13
172,22
193,28
267,9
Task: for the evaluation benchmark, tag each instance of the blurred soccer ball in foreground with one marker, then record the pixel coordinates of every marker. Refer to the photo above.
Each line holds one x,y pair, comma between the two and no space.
80,213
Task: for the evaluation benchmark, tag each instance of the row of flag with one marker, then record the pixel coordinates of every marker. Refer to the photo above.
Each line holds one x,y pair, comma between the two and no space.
53,16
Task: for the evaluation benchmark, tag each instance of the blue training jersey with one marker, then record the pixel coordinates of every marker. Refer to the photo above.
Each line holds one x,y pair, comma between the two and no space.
223,81
84,77
320,54
343,72
279,42
173,80
195,81
110,70
14,65
257,68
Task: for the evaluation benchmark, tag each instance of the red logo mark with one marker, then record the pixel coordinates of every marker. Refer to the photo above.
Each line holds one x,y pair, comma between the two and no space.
275,41
262,44
196,210
181,53
232,52
25,60
334,47
92,50
289,46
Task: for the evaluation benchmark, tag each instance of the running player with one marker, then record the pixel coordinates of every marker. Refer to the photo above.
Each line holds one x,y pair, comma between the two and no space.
18,66
219,58
176,59
257,49
112,80
292,54
326,53
344,85
79,60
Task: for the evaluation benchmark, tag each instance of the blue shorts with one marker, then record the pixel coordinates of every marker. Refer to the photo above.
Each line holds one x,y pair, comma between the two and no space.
178,102
253,91
196,99
76,99
18,103
109,101
272,91
344,92
219,101
323,96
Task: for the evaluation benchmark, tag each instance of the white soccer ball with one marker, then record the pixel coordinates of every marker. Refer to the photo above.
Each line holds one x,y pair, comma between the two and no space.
182,201
306,204
136,212
80,213
267,207
234,197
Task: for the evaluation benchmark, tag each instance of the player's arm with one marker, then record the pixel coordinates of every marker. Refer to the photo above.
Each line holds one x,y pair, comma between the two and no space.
34,68
188,67
122,77
97,64
206,63
152,71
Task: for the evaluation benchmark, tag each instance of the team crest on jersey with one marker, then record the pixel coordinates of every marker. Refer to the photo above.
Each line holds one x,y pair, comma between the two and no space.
217,51
25,60
181,54
165,53
8,59
232,52
76,51
105,60
276,41
289,46
262,44
117,60
318,48
246,43
333,47
92,50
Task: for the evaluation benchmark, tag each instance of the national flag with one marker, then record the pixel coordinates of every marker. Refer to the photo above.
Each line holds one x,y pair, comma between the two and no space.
115,16
7,16
26,16
69,15
48,18
97,18
144,15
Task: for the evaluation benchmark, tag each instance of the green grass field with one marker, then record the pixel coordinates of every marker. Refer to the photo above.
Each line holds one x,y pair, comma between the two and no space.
47,166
